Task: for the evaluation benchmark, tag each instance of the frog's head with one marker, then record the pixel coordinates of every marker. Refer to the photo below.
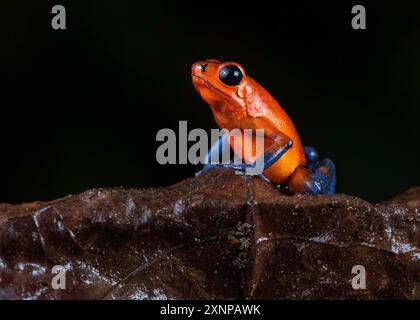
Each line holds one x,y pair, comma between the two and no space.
221,84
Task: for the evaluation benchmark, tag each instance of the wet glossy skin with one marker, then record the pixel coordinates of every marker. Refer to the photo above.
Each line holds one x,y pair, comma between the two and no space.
249,106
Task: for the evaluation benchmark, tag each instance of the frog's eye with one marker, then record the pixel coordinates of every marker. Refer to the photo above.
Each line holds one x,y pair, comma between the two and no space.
231,75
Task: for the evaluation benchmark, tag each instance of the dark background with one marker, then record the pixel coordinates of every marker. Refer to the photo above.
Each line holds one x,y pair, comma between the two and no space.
80,108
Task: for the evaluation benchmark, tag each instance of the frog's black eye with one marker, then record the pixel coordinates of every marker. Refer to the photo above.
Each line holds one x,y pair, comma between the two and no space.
231,75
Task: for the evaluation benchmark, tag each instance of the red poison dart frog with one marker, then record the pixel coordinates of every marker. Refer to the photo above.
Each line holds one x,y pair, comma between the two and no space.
238,101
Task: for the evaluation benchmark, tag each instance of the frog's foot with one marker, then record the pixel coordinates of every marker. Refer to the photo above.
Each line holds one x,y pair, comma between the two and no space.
320,178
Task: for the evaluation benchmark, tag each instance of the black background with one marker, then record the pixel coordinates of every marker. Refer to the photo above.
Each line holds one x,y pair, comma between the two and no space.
80,107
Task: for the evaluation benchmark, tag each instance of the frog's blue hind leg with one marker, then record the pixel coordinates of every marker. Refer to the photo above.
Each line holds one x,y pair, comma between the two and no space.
324,176
311,154
318,178
333,177
326,181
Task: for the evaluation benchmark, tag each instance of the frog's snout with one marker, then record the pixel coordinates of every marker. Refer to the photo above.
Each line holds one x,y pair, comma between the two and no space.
198,68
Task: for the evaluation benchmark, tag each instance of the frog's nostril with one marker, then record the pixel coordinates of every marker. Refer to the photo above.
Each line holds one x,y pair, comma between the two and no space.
204,66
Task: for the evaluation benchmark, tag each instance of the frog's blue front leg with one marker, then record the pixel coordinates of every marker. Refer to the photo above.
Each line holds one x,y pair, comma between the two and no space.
270,156
276,150
215,154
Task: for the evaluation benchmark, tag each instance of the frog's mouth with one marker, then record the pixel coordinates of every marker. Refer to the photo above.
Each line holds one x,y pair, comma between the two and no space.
207,84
